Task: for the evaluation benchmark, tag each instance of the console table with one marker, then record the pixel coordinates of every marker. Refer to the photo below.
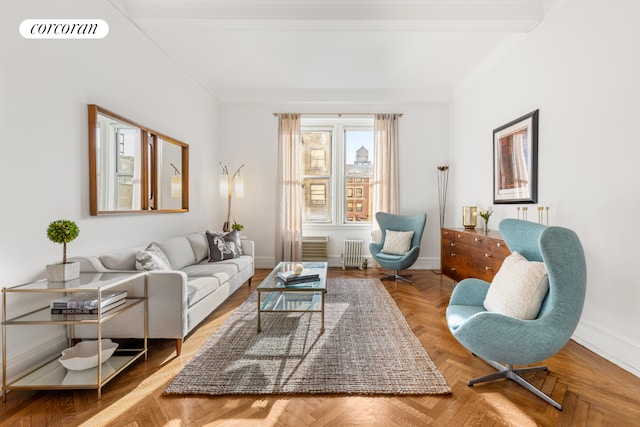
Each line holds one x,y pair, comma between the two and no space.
471,253
51,375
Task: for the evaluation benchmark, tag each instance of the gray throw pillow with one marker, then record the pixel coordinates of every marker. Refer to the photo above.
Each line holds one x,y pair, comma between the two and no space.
224,245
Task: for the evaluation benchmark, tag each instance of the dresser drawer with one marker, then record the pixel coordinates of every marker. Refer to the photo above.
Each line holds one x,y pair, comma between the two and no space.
468,253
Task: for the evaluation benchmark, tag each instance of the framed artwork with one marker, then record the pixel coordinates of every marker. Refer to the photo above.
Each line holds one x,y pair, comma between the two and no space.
515,161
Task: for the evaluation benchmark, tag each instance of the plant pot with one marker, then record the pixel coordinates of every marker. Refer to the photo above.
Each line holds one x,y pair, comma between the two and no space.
63,272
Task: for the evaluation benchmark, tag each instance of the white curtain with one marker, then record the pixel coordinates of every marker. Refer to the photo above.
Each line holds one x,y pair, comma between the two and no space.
289,237
385,172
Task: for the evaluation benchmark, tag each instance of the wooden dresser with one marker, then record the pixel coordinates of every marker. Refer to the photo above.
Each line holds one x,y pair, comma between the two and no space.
471,253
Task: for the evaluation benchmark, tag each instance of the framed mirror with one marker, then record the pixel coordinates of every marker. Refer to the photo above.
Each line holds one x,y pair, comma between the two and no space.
133,169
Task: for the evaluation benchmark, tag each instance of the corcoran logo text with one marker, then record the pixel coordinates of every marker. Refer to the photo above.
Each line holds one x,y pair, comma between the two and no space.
64,29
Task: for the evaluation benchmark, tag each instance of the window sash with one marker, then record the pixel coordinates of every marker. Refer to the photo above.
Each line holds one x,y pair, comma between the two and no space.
340,196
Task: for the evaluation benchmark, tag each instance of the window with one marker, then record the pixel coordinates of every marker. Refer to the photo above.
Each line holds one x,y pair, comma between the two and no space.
318,194
337,170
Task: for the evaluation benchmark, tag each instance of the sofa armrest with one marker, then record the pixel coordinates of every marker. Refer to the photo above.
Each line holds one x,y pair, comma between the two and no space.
167,296
89,264
248,247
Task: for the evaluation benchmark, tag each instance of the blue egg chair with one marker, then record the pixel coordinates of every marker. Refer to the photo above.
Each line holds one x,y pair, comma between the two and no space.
394,262
504,341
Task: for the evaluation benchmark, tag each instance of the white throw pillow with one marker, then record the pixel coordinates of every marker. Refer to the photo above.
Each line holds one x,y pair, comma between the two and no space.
152,258
518,288
397,242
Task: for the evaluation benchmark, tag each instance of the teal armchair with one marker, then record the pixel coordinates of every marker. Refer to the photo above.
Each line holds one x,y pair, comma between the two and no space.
504,341
393,262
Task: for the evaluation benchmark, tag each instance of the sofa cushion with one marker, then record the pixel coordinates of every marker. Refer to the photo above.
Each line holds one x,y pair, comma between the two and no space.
224,245
242,262
199,245
152,258
221,270
200,287
121,260
178,250
518,288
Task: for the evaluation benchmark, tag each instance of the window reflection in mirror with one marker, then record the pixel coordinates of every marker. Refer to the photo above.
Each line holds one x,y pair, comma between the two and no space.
118,165
134,169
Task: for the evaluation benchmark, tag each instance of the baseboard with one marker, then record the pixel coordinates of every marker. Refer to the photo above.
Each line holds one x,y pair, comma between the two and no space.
425,263
618,350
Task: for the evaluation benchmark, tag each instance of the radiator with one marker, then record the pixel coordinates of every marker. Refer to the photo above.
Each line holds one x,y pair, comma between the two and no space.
352,254
315,248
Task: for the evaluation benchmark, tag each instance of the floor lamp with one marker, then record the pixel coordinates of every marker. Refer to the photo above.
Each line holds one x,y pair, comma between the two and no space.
443,181
230,185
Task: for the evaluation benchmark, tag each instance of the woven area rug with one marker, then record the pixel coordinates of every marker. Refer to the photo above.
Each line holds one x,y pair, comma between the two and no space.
367,348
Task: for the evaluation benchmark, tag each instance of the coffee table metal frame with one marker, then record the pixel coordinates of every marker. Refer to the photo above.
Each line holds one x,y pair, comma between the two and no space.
305,297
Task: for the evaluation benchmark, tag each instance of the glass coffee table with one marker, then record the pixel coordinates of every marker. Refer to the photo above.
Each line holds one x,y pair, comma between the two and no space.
296,297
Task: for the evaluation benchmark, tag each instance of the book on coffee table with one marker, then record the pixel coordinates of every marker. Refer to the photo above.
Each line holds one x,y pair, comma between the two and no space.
290,277
88,300
81,310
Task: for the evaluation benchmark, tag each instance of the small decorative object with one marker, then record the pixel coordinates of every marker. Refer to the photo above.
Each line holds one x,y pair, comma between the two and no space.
63,231
236,226
84,355
547,216
515,161
443,180
298,268
486,214
469,217
540,213
230,185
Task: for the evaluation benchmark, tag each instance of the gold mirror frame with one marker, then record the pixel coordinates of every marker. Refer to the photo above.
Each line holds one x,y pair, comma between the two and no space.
133,169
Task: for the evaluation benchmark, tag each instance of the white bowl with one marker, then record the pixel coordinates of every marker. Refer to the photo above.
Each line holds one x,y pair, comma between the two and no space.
84,355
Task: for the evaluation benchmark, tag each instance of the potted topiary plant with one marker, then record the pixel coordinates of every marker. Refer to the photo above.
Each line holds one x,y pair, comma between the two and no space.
63,231
236,226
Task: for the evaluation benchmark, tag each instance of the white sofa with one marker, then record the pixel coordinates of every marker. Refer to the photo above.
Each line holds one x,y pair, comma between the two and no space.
178,299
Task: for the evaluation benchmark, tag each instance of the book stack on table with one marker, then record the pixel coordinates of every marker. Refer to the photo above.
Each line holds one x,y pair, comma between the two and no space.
291,278
87,302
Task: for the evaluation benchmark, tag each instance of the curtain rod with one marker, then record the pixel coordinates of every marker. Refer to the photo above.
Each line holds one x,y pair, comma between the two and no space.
336,114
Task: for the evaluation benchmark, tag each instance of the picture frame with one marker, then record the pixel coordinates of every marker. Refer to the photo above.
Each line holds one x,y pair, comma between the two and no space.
515,161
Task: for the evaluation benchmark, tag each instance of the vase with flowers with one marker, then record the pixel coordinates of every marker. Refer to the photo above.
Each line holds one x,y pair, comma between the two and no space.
486,214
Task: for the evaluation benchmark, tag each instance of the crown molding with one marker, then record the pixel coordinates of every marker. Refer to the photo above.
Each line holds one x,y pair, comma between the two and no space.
510,15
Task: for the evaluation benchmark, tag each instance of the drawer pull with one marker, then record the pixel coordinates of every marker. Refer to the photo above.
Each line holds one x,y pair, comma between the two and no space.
453,269
453,254
499,244
487,255
459,236
488,268
452,244
477,239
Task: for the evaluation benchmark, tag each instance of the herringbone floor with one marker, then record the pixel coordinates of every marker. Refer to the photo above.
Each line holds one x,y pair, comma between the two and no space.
594,392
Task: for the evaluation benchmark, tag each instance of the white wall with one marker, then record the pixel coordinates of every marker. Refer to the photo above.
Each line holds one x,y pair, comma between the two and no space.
249,135
580,67
45,88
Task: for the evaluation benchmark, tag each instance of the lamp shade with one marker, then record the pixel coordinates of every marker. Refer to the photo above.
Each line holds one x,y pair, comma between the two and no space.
176,187
238,187
224,186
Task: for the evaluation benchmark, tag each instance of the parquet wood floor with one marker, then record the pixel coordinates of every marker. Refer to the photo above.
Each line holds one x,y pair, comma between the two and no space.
594,392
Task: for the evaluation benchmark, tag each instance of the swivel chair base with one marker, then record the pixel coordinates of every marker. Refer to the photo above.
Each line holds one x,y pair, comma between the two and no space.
508,372
395,276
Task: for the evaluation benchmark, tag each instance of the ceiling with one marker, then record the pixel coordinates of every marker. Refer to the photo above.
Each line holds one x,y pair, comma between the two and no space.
332,50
